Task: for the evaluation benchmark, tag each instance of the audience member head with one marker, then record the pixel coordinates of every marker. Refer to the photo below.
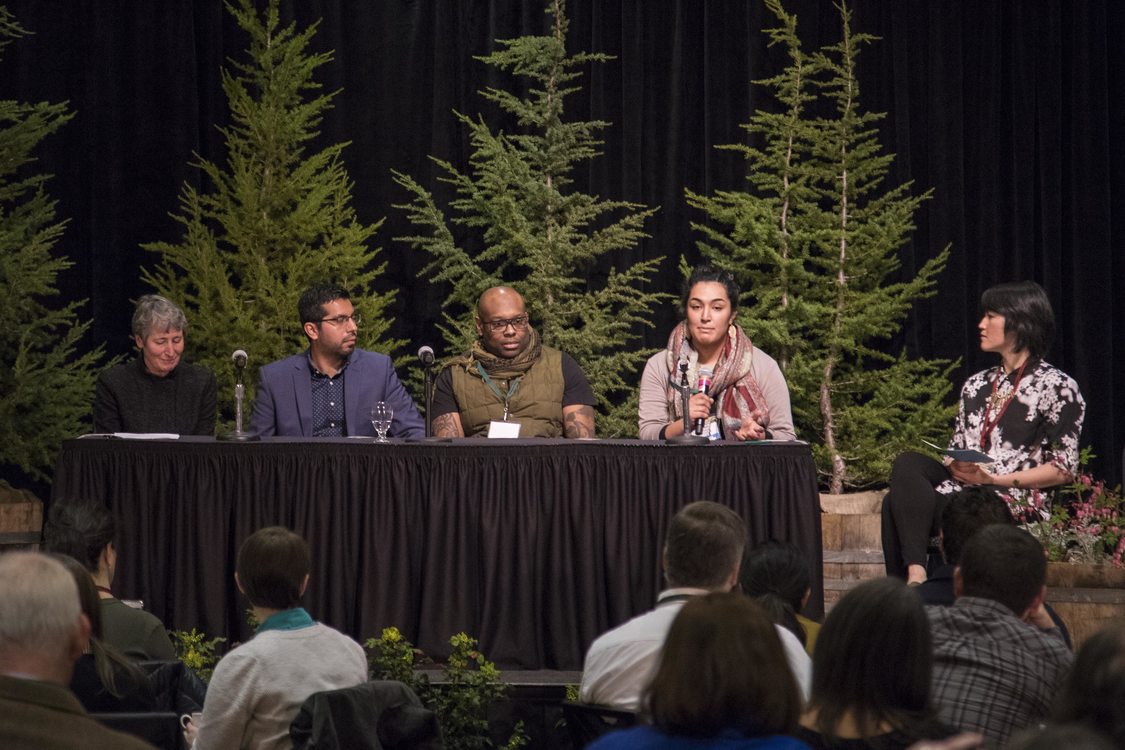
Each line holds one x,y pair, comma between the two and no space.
273,568
706,272
1005,564
704,547
726,642
1061,737
85,531
777,575
873,660
969,510
42,628
88,599
1094,692
1027,315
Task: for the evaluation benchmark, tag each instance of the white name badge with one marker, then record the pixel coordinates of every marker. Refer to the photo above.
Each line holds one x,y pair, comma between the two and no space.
498,429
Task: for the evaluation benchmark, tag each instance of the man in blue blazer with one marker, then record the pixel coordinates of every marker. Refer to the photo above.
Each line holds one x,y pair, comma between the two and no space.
328,390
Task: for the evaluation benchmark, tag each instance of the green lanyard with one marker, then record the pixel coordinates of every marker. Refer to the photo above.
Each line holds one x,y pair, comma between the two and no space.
511,389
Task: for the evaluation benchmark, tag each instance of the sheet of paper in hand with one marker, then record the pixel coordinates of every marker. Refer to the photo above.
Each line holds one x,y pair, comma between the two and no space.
970,455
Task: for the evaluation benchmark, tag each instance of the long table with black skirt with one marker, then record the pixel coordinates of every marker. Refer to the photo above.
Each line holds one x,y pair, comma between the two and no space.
534,547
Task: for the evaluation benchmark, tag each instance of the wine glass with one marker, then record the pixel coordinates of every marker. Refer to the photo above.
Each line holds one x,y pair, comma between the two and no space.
381,416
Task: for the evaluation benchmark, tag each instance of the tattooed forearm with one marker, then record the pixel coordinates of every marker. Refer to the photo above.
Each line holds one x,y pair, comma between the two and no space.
578,421
448,425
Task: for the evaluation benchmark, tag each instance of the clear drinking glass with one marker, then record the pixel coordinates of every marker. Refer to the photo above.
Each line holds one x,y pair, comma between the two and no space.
381,416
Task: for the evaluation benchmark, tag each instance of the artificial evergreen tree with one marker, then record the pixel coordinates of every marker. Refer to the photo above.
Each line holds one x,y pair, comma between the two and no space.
46,387
820,235
275,219
760,234
536,231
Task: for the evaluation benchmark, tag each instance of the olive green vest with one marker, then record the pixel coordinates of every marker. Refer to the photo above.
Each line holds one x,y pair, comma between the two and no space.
536,405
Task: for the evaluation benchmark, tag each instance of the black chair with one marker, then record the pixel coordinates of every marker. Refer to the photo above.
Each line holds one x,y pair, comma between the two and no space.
176,690
159,728
585,722
377,715
176,687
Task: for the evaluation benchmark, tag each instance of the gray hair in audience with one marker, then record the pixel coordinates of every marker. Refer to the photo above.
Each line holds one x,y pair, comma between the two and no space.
157,314
704,545
40,602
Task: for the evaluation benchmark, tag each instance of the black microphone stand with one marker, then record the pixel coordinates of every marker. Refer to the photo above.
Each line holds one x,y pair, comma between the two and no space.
688,437
428,395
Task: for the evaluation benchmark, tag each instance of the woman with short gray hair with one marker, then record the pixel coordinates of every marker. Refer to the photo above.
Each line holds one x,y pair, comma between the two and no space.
156,392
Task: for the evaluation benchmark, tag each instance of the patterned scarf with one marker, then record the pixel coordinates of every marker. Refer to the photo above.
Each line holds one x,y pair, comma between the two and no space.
732,386
498,367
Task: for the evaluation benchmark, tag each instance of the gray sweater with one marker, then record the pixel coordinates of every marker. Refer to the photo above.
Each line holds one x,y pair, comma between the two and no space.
258,688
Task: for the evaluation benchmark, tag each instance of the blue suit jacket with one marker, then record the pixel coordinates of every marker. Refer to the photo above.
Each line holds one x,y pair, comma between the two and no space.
283,405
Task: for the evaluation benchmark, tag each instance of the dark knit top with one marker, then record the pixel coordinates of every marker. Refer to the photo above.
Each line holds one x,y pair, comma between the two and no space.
128,398
135,633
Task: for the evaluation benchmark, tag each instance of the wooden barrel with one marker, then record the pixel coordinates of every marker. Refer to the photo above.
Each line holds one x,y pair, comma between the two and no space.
1086,597
853,547
21,519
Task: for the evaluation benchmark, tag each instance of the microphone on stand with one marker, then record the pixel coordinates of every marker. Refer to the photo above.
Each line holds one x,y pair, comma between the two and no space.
426,354
684,389
703,384
239,358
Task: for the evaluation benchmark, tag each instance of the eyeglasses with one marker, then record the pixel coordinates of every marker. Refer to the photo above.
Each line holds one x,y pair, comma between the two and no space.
341,320
519,323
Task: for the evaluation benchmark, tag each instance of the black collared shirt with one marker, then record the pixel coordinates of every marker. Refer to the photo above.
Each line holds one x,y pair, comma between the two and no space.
328,402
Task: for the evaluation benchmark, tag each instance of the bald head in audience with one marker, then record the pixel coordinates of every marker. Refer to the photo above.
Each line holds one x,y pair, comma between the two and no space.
42,628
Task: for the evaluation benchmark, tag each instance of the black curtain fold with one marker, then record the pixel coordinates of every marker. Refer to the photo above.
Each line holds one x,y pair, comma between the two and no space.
1011,112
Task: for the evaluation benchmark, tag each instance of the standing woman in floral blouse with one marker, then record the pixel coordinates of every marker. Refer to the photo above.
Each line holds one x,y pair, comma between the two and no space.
1024,413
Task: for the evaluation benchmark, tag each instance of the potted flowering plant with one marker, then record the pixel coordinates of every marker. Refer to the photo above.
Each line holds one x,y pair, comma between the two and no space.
1087,521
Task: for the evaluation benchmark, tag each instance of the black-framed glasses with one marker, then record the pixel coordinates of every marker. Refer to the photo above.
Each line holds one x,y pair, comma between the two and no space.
341,320
519,323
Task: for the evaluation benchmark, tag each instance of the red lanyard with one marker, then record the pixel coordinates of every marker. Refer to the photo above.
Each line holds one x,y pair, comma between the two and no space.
989,425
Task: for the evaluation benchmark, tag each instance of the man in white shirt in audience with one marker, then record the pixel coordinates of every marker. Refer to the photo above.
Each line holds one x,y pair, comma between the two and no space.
702,553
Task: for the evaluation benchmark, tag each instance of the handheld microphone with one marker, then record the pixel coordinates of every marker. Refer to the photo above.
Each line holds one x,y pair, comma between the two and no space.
703,384
239,358
426,354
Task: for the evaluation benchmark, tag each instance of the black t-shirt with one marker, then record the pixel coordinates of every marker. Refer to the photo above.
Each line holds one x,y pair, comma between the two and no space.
576,389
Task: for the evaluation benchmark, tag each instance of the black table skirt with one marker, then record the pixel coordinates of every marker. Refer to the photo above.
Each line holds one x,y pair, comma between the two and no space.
533,546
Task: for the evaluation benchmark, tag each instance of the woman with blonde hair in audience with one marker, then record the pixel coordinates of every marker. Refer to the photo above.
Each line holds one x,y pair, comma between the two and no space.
723,682
871,673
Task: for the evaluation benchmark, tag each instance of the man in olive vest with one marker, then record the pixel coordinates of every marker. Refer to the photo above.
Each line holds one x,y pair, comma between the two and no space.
510,376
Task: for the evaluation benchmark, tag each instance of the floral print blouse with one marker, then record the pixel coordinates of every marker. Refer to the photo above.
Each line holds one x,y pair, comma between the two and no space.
1041,425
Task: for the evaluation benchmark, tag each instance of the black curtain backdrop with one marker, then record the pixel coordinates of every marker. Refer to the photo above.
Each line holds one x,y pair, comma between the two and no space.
1011,111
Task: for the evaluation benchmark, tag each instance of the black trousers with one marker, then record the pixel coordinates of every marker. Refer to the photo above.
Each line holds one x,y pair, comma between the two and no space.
911,511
